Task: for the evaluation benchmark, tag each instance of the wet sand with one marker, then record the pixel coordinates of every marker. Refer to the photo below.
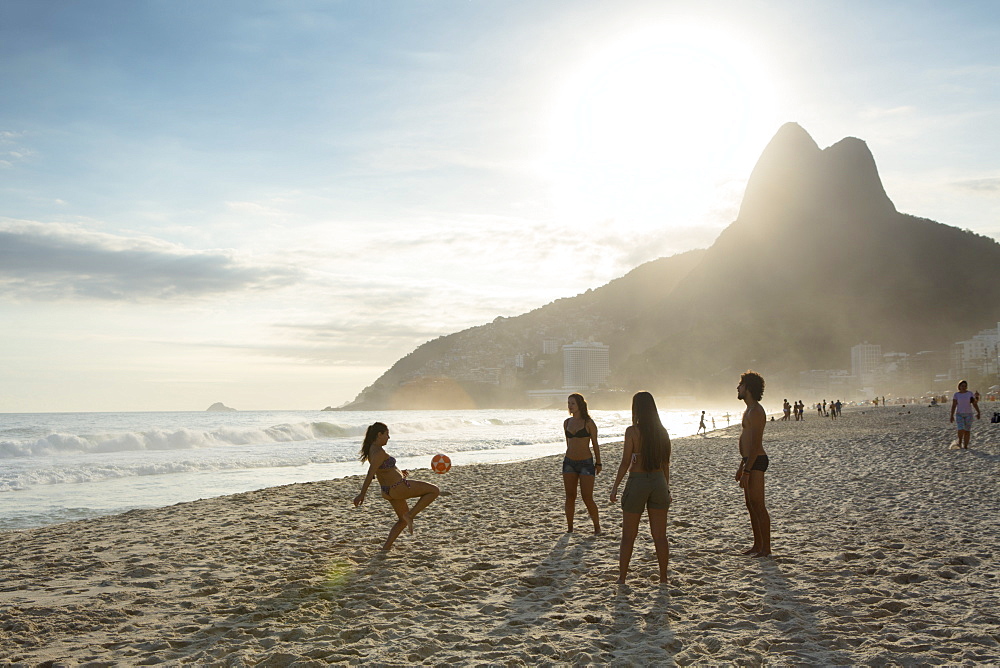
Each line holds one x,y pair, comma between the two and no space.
885,547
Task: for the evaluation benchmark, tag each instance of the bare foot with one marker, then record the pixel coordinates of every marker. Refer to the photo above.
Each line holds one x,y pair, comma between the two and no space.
409,522
597,531
763,553
752,550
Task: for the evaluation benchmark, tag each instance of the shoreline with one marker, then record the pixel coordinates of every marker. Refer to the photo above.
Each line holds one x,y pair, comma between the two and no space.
884,553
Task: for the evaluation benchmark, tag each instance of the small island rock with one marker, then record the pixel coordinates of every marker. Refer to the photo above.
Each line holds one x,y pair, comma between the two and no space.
219,406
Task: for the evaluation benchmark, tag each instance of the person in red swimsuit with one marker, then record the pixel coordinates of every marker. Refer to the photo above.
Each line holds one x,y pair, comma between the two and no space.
396,486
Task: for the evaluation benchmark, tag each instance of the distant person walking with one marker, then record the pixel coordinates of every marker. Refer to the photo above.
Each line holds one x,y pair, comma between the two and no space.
580,466
754,461
962,404
786,409
839,407
395,485
702,429
646,457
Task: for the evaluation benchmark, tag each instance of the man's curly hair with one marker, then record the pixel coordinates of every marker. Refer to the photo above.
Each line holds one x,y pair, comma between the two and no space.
754,383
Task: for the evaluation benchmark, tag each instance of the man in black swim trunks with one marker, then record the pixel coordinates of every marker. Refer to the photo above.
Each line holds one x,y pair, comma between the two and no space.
753,461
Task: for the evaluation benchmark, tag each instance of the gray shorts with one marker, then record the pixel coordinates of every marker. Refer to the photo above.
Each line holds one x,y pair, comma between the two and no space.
645,490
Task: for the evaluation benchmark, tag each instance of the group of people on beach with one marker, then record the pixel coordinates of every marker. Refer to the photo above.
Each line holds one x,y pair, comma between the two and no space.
790,411
645,458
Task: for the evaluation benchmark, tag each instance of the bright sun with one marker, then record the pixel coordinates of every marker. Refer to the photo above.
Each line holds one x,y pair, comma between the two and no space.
648,128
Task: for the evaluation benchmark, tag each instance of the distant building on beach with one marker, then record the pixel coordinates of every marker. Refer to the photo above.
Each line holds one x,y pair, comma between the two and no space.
866,361
977,355
585,365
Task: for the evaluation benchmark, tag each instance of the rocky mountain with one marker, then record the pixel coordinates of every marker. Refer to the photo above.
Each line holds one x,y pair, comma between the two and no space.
817,261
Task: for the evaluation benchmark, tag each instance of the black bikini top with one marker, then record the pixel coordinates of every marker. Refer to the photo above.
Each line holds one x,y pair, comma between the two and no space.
583,433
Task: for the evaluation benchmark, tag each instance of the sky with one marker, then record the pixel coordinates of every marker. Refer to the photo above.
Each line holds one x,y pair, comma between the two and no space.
267,204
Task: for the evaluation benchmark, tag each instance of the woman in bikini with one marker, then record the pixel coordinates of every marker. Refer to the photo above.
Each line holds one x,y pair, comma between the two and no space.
646,456
396,487
580,465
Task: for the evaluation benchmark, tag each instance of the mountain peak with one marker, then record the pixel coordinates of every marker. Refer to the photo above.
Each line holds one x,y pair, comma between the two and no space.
792,134
850,172
783,173
794,179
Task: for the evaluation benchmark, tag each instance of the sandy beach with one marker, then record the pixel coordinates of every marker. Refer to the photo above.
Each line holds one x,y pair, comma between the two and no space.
885,554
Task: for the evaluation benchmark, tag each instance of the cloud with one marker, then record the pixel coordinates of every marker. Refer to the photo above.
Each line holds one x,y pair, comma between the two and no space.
351,341
11,151
54,261
982,186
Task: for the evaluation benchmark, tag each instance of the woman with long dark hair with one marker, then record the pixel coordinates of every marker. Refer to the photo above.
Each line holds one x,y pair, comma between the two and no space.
396,486
646,457
580,465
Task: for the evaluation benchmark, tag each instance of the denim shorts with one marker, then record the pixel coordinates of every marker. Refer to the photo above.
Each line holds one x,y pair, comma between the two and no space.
579,466
963,421
645,490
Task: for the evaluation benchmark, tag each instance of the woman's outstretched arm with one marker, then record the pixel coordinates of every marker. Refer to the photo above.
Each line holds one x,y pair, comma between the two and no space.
360,498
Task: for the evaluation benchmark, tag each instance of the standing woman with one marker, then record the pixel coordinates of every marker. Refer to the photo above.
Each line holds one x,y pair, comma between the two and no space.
579,465
646,456
396,488
962,403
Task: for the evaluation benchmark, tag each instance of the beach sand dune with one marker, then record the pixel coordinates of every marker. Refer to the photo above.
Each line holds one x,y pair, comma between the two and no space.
885,553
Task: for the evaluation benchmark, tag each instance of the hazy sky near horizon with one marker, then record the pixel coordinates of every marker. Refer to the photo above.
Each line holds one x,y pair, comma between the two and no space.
267,204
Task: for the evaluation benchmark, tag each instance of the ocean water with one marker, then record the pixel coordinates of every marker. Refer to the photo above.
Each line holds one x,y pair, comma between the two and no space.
58,467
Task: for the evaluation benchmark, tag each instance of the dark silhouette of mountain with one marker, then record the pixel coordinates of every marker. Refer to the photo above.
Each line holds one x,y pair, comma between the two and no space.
817,261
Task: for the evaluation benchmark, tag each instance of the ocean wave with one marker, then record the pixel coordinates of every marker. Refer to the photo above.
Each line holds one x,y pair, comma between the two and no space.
173,439
88,471
64,444
85,470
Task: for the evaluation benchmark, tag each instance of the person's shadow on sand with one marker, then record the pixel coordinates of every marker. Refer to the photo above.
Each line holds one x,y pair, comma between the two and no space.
566,598
793,611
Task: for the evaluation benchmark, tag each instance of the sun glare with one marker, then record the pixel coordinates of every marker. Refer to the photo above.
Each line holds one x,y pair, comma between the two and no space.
647,128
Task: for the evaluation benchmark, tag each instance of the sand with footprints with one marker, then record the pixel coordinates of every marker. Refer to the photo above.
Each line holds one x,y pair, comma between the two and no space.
885,552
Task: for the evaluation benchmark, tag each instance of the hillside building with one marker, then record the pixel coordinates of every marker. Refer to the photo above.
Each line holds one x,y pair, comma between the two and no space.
586,365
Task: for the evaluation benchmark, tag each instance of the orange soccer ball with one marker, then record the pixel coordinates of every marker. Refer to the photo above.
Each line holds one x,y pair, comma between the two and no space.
440,464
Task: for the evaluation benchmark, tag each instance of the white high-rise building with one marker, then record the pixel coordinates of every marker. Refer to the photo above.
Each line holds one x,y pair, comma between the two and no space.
585,365
866,359
866,362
